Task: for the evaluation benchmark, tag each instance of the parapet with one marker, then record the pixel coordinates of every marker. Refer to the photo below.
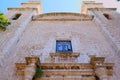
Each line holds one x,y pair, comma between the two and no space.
63,17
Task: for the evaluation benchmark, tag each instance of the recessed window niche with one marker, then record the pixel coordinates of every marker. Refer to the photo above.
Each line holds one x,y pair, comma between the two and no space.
107,16
16,16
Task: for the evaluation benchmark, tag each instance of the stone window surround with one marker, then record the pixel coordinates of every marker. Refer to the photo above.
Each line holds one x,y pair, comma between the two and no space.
16,16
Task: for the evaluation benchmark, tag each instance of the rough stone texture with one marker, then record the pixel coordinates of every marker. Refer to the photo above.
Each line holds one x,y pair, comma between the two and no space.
84,40
37,5
112,26
9,39
111,3
25,38
90,4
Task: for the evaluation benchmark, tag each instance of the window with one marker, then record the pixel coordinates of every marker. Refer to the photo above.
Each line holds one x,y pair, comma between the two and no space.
63,46
107,16
16,16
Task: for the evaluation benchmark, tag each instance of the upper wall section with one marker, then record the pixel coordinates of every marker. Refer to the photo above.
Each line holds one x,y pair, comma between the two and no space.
110,4
90,4
36,5
63,17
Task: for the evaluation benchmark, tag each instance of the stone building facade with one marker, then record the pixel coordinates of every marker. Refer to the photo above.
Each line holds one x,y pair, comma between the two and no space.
110,4
68,46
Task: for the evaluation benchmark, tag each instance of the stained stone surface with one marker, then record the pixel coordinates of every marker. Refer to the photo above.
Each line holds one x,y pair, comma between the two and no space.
26,37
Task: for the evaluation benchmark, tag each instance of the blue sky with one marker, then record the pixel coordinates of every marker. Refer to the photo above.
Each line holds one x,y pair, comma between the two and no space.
48,5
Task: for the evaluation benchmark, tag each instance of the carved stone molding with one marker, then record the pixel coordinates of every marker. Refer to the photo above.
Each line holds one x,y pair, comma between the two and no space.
87,71
75,55
101,73
22,9
102,9
29,71
63,17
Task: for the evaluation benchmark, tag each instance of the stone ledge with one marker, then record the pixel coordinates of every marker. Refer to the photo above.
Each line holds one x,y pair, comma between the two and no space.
63,17
89,78
102,9
36,1
107,65
63,14
64,54
88,1
32,3
22,9
32,59
20,66
69,72
66,66
94,3
52,72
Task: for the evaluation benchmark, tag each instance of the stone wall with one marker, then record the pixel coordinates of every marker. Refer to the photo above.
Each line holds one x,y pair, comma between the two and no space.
27,37
110,29
86,38
9,39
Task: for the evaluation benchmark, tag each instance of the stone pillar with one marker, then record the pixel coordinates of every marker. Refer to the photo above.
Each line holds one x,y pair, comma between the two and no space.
30,71
101,72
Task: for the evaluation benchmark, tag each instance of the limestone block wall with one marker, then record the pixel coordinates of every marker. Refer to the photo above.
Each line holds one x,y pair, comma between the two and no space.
26,37
111,3
111,28
10,37
15,29
90,4
86,37
39,38
36,5
81,35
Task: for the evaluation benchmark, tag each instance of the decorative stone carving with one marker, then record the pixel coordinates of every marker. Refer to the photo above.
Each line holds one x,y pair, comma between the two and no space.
21,9
102,9
102,70
29,71
101,73
64,54
87,71
63,17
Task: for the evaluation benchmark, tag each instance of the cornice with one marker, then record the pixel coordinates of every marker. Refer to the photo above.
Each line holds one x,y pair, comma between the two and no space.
22,9
38,3
95,3
63,17
102,9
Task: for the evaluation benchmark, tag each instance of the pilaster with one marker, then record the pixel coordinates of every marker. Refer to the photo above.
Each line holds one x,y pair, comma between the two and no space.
101,72
29,71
